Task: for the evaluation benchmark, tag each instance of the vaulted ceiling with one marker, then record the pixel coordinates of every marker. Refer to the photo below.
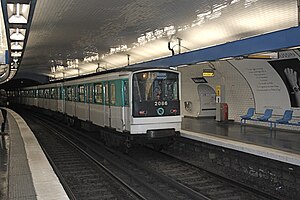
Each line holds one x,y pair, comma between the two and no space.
74,36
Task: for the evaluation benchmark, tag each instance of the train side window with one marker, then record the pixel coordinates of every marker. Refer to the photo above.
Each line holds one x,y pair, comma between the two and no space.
31,93
47,93
59,93
81,93
112,94
41,93
90,89
106,94
53,93
63,92
86,94
26,93
98,92
73,93
69,94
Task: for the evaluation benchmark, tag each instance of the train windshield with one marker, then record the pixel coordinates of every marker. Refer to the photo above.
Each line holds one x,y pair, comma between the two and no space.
155,86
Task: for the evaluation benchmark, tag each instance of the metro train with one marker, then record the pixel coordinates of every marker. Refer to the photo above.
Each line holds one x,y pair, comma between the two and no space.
138,104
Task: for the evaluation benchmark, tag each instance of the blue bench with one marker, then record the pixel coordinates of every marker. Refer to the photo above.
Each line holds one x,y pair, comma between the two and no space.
248,116
267,115
286,118
250,113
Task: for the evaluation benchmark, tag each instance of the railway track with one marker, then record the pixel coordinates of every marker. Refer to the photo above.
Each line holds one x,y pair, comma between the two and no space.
155,175
81,175
210,185
146,184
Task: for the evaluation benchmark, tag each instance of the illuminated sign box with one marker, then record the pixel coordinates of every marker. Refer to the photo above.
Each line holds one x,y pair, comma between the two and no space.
199,80
208,73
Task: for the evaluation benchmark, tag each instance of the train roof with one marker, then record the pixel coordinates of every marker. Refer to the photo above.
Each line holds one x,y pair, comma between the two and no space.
122,69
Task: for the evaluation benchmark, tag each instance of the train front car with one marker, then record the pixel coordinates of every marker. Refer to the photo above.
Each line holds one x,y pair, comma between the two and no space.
155,98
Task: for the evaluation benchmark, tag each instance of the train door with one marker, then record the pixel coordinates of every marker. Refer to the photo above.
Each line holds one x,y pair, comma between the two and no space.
61,99
74,100
90,94
107,111
86,102
70,100
54,99
81,106
125,103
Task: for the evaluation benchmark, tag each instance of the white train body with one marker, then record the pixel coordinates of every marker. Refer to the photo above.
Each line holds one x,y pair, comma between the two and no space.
133,102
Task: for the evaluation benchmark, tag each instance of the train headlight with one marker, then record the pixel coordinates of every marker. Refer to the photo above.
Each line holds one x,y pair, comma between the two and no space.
173,111
142,112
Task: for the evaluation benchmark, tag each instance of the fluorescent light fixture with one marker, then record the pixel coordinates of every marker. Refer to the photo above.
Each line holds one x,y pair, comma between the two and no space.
265,55
292,48
16,54
17,19
228,58
17,45
18,13
17,34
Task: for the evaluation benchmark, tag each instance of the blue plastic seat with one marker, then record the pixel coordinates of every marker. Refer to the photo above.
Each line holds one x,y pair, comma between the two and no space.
267,115
287,116
249,114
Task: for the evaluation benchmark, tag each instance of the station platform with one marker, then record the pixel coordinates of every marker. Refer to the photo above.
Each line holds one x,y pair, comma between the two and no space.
25,170
274,144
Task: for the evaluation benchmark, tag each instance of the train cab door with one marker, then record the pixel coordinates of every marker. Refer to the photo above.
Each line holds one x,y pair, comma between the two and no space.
125,103
107,108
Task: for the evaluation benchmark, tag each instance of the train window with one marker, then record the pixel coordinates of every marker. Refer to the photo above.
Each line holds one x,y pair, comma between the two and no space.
81,93
155,86
90,89
112,94
59,93
106,94
73,93
69,94
31,93
53,93
26,93
41,93
63,93
47,93
125,93
98,92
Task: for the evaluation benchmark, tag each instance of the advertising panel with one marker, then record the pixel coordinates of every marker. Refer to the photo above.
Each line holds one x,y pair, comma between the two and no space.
269,89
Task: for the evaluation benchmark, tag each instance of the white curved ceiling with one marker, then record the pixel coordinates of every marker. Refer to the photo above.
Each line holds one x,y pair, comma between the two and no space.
67,30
